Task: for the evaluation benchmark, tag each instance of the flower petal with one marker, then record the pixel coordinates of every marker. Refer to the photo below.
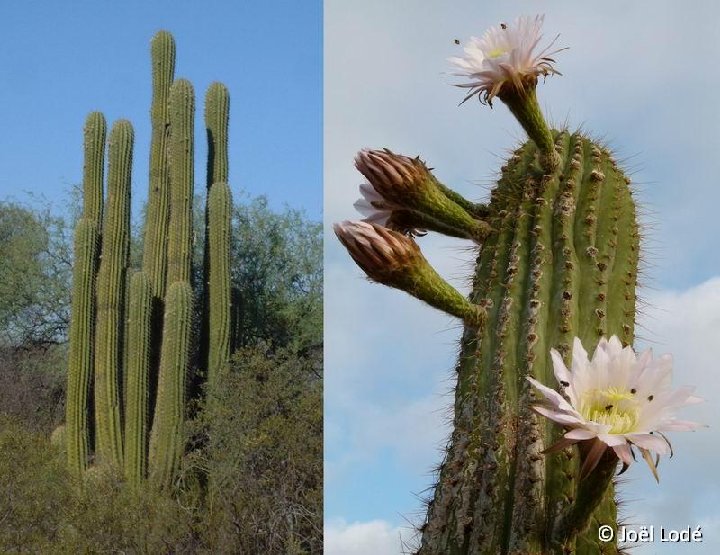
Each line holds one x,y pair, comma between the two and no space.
650,442
556,416
553,396
624,453
580,434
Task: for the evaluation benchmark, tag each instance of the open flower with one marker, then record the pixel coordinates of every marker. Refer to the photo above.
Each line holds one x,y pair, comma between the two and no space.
505,54
617,398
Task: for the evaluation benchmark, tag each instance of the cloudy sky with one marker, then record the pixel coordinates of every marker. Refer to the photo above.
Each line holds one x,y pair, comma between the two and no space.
641,76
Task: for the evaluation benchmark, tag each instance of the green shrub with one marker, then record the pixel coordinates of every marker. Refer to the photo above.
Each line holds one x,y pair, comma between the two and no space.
263,458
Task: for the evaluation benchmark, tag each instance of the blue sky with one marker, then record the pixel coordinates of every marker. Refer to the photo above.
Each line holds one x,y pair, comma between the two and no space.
638,75
60,60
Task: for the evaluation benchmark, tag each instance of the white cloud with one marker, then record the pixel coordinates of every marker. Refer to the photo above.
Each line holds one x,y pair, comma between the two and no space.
376,537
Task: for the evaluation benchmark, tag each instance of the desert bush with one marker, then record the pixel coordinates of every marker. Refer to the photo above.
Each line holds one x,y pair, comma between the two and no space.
263,457
32,386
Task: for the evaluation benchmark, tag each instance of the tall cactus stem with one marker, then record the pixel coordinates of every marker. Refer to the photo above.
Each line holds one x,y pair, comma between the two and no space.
80,357
167,440
217,115
137,372
110,287
162,50
219,306
180,237
94,166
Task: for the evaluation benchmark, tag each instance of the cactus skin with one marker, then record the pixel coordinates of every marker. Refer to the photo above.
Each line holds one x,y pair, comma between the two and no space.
137,372
219,306
180,236
555,266
166,440
110,295
81,356
162,50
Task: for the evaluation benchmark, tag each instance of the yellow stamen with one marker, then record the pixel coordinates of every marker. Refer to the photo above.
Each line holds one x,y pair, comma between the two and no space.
496,52
612,407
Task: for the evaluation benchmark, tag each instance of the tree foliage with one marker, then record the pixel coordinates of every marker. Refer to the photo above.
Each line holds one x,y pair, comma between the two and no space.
277,270
35,273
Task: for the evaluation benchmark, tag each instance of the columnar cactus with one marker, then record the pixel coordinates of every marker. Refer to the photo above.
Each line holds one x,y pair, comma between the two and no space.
218,284
166,439
544,275
556,268
215,305
81,354
137,333
110,294
158,204
137,373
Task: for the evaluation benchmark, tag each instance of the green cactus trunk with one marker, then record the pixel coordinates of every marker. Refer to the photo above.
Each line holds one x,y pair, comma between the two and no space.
162,50
110,295
219,305
167,440
180,234
561,261
137,372
217,114
80,358
82,321
94,166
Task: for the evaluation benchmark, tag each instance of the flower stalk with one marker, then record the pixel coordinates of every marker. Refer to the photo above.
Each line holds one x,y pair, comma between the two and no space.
523,104
590,493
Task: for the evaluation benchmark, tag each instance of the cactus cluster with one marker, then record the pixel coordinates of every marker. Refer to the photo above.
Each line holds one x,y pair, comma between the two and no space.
132,339
558,260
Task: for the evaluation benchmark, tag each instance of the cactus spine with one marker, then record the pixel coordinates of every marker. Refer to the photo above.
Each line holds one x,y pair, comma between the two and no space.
138,336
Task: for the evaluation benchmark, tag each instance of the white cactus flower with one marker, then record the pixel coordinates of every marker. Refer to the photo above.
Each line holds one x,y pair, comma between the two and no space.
617,398
505,54
377,210
372,206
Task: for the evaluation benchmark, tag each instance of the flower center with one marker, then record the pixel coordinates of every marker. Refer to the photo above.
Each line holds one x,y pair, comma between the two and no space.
496,52
612,407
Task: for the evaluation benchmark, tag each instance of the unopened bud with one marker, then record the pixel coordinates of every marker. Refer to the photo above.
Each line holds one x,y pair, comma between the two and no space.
395,260
401,183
